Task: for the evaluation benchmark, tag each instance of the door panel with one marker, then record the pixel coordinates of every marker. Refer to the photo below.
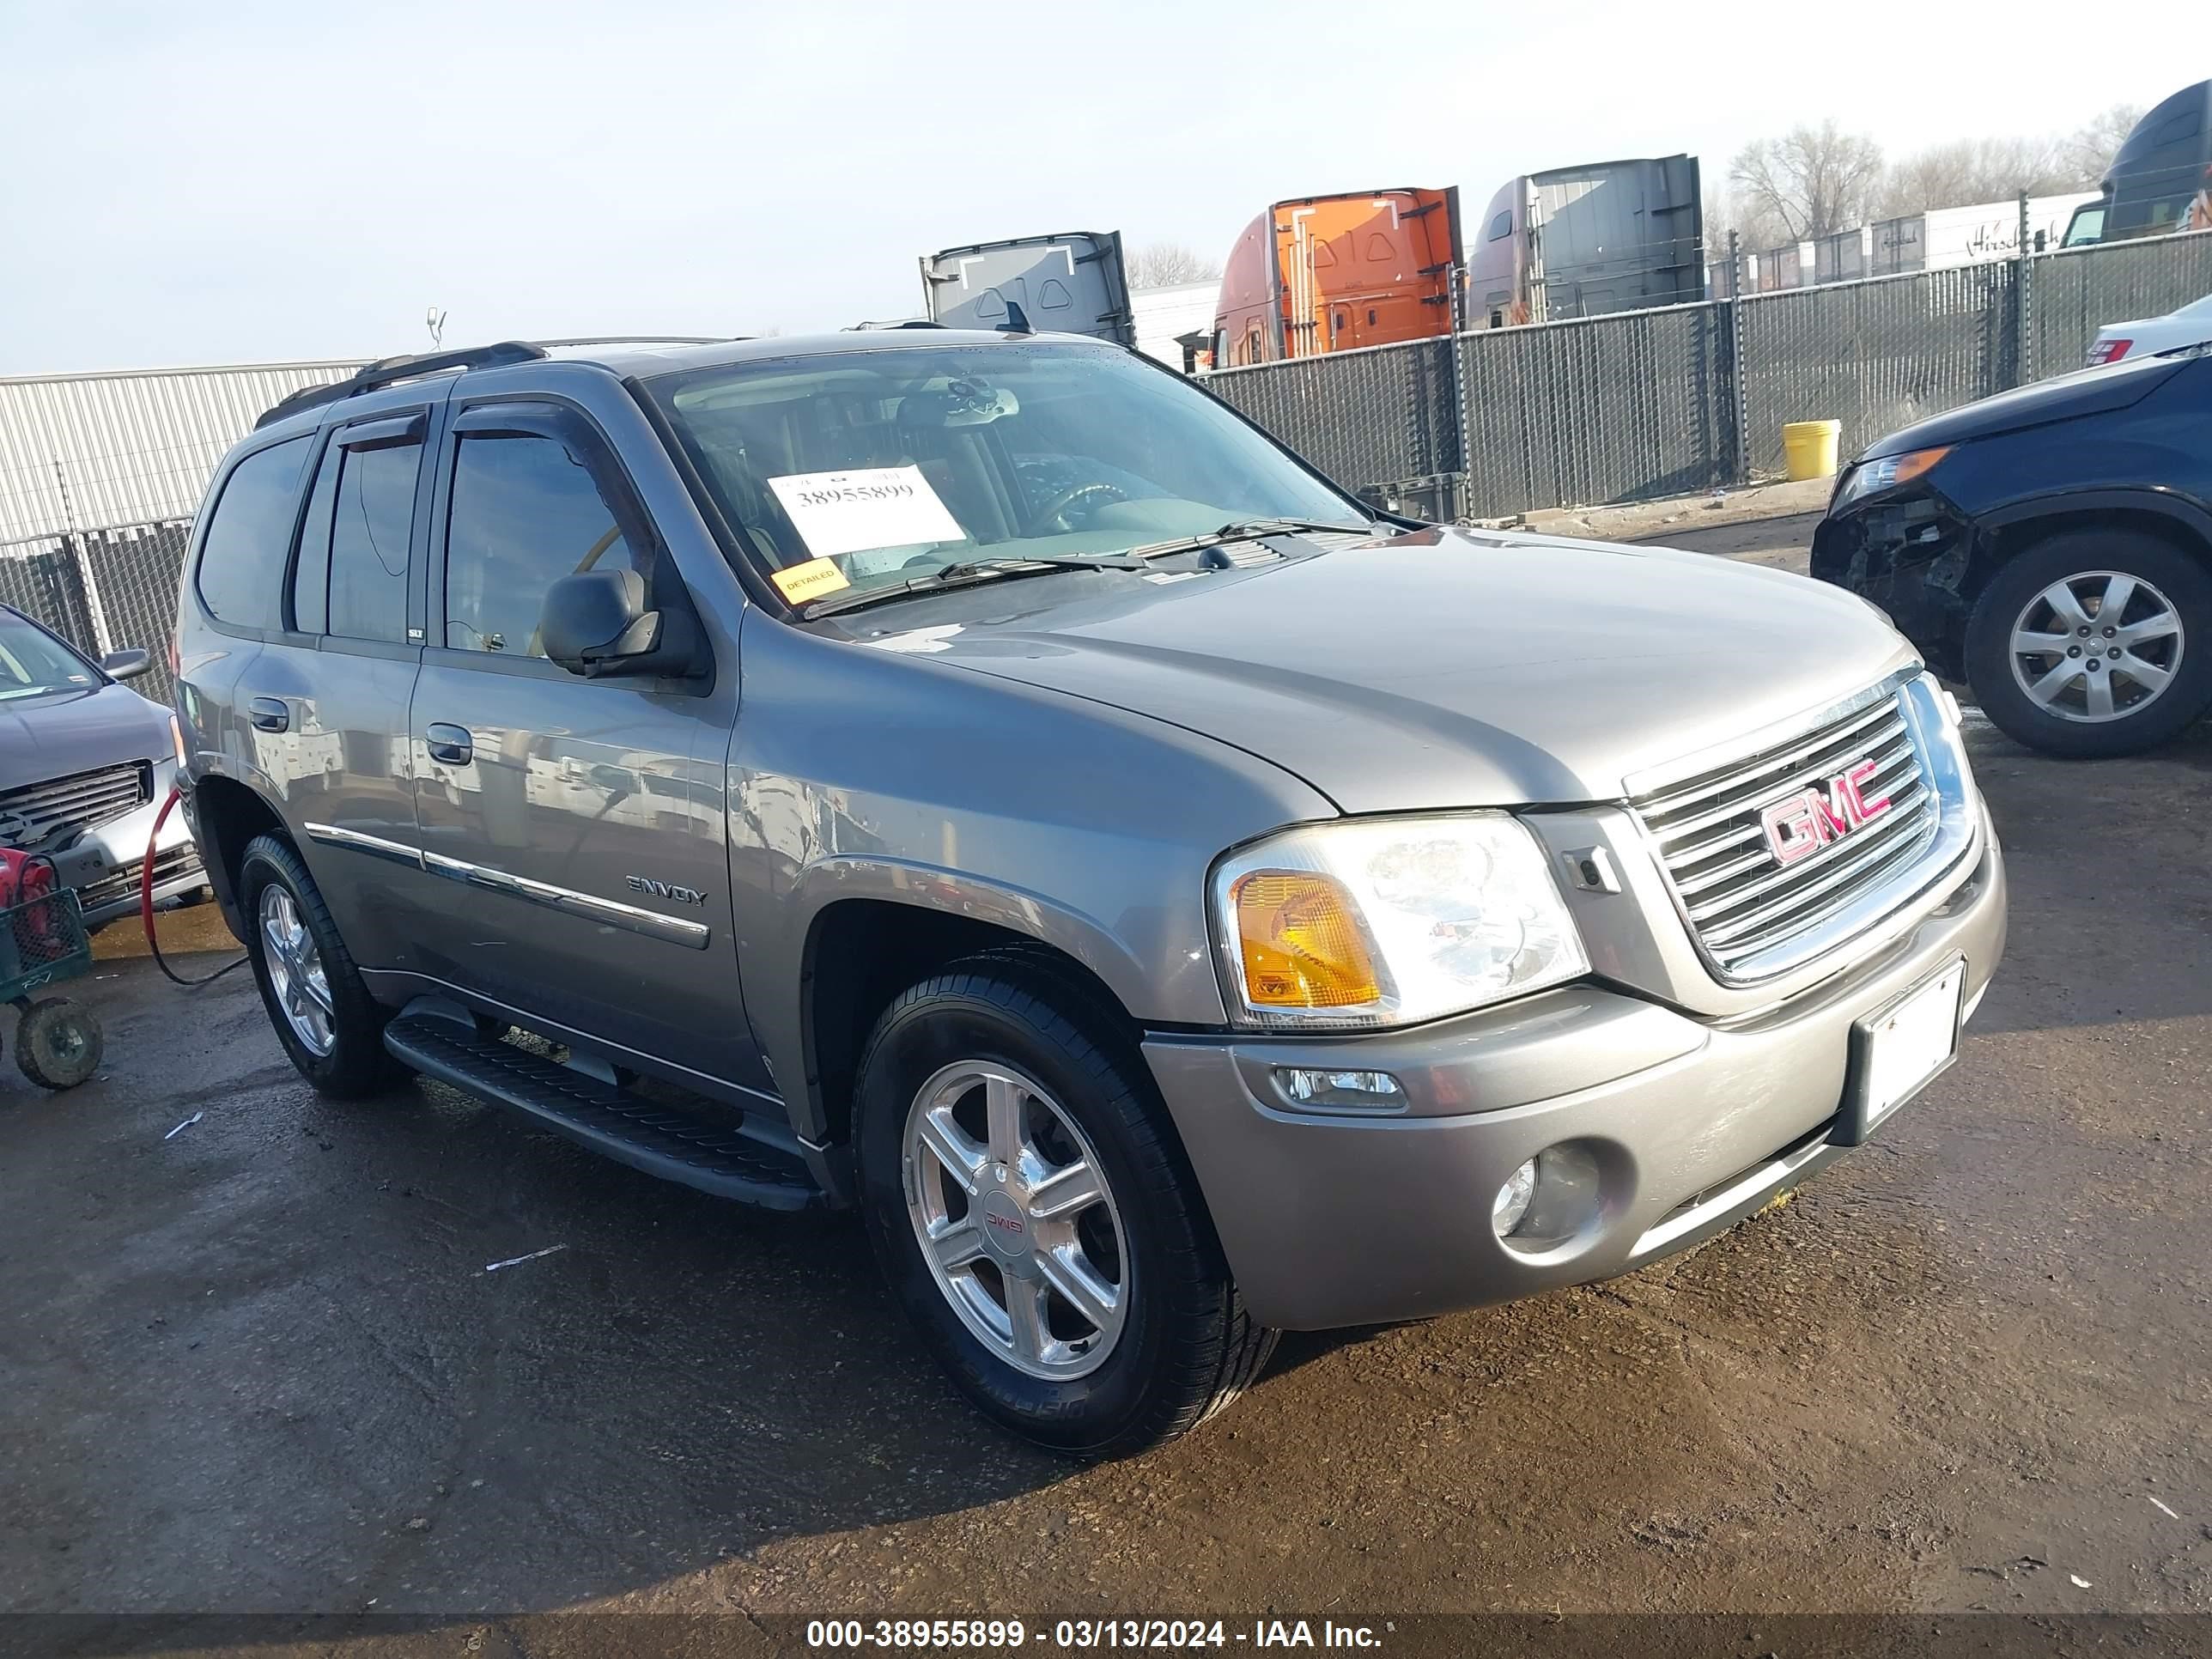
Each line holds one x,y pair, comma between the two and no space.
584,829
579,825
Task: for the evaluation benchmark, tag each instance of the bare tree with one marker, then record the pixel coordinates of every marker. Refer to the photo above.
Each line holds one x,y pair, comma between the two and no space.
1813,180
2089,151
1756,226
1163,264
1975,170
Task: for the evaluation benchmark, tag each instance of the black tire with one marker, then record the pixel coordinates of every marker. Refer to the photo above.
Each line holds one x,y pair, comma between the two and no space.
2185,582
1188,1348
357,1064
58,1043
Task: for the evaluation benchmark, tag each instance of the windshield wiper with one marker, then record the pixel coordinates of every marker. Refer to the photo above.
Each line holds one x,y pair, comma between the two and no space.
1248,530
1016,561
966,573
963,572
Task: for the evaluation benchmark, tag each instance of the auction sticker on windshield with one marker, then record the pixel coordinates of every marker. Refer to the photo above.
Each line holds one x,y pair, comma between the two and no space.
810,580
841,512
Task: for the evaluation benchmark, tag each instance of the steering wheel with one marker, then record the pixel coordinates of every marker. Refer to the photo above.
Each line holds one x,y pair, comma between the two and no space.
1055,510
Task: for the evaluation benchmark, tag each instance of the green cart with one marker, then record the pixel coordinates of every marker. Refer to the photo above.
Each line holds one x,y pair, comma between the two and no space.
42,942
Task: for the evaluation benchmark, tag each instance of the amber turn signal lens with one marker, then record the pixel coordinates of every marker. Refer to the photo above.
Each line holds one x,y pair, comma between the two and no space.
1911,466
1302,943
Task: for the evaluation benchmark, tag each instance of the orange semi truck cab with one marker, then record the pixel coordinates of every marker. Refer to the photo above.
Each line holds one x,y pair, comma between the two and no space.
1329,273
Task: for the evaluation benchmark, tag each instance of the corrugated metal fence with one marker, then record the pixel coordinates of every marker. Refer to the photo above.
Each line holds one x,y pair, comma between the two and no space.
1660,402
85,451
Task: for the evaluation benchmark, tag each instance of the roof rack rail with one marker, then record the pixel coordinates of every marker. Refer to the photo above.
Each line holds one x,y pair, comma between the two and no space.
648,339
385,371
865,326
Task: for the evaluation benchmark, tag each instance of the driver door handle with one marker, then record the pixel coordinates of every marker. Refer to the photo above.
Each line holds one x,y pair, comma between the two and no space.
269,714
453,745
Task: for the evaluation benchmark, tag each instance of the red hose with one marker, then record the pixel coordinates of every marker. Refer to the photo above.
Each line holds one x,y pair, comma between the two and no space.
146,902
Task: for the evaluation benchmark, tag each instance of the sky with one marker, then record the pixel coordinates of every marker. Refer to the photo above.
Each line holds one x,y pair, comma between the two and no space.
216,182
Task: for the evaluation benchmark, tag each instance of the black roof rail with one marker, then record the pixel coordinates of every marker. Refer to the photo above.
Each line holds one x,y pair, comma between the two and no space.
648,339
907,322
386,370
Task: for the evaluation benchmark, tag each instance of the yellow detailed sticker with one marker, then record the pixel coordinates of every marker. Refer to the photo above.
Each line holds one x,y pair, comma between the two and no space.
810,580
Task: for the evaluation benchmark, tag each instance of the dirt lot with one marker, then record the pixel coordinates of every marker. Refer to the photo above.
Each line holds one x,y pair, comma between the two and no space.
260,1366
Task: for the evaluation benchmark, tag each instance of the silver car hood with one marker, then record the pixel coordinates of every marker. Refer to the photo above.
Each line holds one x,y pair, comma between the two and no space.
1442,668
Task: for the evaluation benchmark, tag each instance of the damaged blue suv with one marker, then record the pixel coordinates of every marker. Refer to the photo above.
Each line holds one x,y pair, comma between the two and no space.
2052,547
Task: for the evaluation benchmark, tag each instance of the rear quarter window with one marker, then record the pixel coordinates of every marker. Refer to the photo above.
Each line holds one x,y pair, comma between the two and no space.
249,537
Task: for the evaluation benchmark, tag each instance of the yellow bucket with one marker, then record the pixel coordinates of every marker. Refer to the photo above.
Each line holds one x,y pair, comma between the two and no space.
1808,447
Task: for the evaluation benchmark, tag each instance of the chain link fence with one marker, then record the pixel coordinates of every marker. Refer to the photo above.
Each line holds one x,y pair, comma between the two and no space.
104,590
1876,354
1600,409
1659,402
1381,414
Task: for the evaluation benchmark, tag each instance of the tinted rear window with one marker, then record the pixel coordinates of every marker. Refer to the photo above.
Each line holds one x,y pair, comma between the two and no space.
373,521
249,537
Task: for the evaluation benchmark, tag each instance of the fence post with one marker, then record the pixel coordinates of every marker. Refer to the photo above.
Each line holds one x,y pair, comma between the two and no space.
96,613
1739,408
1458,506
2023,312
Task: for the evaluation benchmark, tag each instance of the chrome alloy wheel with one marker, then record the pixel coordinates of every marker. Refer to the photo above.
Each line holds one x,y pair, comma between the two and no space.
1010,1207
295,971
2096,647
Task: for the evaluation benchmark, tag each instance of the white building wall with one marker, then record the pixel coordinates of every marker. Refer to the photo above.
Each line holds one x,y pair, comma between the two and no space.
84,451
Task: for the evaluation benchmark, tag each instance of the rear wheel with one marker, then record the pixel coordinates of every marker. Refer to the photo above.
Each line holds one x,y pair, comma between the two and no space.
322,1014
1037,1218
2093,642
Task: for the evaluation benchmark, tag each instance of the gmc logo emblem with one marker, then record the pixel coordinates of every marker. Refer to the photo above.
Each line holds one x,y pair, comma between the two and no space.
1804,823
1005,1223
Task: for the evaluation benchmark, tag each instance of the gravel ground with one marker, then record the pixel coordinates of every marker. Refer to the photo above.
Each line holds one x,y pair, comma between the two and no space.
260,1366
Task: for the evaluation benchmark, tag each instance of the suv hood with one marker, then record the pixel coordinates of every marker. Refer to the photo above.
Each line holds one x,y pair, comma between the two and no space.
2086,392
1442,668
64,732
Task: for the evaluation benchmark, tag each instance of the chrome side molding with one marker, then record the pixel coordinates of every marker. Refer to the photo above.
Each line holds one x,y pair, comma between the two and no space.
673,930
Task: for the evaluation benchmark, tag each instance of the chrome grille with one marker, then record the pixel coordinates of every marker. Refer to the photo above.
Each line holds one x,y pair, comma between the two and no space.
1738,901
32,812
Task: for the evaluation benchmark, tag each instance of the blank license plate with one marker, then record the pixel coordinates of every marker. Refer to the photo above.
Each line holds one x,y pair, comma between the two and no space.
1898,1050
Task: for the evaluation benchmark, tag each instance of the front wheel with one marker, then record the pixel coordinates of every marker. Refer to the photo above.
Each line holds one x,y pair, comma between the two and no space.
2094,643
1037,1219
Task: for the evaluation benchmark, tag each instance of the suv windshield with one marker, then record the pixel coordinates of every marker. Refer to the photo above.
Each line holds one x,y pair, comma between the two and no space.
32,662
893,464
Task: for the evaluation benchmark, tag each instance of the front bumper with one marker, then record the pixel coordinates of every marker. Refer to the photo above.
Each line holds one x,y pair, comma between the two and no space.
1909,553
1331,1220
105,864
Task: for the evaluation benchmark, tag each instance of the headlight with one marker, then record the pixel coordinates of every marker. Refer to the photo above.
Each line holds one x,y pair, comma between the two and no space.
1934,713
1887,472
1386,921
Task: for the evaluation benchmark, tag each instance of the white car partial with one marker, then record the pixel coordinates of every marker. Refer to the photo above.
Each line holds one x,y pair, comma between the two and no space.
2190,325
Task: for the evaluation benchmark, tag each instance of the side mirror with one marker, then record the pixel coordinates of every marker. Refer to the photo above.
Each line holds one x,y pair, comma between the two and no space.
596,625
126,664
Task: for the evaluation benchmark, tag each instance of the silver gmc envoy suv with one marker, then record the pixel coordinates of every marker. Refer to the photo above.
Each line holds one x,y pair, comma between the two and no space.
982,780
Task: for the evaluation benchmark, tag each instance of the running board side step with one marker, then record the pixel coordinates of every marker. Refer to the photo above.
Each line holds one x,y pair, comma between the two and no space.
710,1158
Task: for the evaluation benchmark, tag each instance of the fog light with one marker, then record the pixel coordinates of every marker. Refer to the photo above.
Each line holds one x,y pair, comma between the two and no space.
1513,1199
1359,1091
